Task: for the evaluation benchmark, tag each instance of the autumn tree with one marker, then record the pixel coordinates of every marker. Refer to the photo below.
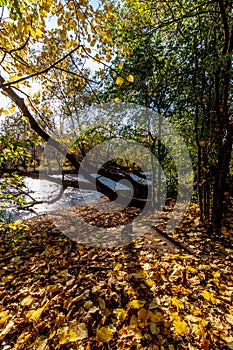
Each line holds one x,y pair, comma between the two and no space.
40,39
187,48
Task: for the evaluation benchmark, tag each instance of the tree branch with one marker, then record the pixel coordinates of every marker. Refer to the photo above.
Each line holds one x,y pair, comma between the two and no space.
43,71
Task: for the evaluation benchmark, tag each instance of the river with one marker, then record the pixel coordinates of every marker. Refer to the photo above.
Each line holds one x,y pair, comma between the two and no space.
47,190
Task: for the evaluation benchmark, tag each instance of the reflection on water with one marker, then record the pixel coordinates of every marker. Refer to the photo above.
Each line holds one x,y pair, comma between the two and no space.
46,190
52,198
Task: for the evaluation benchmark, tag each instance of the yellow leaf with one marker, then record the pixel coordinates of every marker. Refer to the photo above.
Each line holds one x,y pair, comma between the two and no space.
133,322
177,303
51,288
7,278
63,334
15,224
181,327
121,314
157,317
68,44
154,328
130,78
119,81
116,99
37,32
150,282
24,119
6,329
71,333
118,267
34,315
120,65
42,344
4,316
174,316
229,319
157,240
11,109
27,301
105,334
137,304
209,296
52,334
203,143
101,303
18,222
22,338
73,336
142,317
36,95
140,274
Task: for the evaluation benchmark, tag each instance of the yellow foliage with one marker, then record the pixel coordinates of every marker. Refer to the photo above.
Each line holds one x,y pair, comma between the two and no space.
105,334
156,317
137,304
35,315
119,81
181,327
177,303
118,267
71,333
15,225
27,301
142,318
121,314
130,78
4,316
209,296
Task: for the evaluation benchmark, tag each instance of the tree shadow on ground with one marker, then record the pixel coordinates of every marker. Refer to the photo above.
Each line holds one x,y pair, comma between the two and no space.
112,298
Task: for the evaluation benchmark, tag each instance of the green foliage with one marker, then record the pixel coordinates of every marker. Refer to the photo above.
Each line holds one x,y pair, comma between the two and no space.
180,55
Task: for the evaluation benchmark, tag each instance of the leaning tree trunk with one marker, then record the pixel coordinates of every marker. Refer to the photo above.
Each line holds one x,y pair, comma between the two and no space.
95,183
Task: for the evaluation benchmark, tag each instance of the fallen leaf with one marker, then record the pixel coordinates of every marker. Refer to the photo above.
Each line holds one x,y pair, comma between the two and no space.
82,331
209,296
121,314
27,301
156,317
177,303
73,336
142,317
42,344
181,327
137,304
4,316
105,334
154,328
34,315
118,267
229,319
6,329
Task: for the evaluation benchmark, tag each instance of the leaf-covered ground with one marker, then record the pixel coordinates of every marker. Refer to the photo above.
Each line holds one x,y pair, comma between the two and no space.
158,292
